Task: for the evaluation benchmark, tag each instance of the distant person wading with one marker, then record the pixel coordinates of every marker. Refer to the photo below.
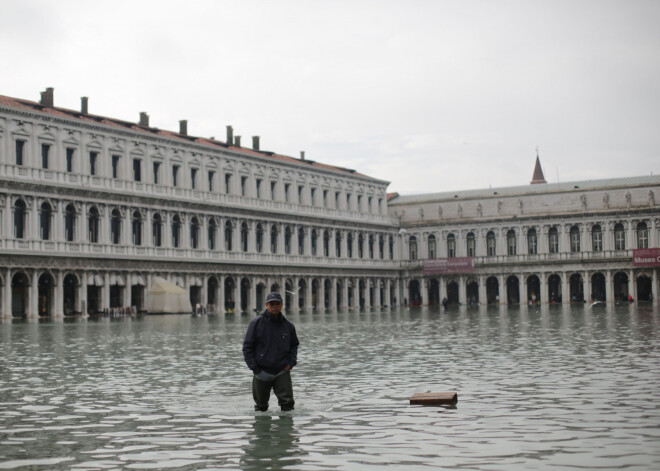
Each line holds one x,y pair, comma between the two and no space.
270,350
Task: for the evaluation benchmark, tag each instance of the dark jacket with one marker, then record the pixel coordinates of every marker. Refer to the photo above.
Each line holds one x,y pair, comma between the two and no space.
270,344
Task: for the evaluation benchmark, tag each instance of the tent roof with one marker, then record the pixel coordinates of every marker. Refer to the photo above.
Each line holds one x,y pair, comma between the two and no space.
161,285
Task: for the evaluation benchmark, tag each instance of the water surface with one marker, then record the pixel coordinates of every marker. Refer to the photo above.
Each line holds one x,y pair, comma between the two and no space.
563,387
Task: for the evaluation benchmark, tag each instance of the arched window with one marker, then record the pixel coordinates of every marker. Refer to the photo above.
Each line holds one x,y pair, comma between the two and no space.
115,226
511,242
451,246
45,215
575,239
70,223
301,241
431,246
642,236
194,233
532,242
273,238
260,238
490,244
287,240
244,236
381,246
212,231
326,243
553,240
360,246
136,227
413,248
157,230
20,219
471,244
596,238
338,244
229,234
176,232
391,248
93,222
619,237
371,246
349,244
315,236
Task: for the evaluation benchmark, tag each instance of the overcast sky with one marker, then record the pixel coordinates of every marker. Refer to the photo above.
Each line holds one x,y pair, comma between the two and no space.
430,95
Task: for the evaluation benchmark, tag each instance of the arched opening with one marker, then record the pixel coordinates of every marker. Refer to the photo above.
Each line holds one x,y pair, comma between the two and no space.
490,244
194,234
644,285
492,290
157,230
93,222
136,228
434,292
195,296
69,295
70,223
327,292
472,292
554,289
338,244
229,234
260,238
414,298
244,236
431,246
46,288
20,219
596,238
553,240
326,243
212,291
115,226
45,216
574,235
532,242
452,292
533,289
451,246
371,246
273,239
230,295
137,295
511,245
642,237
212,231
245,294
287,240
512,290
19,295
338,294
94,291
619,238
621,289
314,241
116,293
360,247
315,294
471,244
361,293
381,247
302,293
349,245
261,296
275,288
412,244
576,288
176,232
598,287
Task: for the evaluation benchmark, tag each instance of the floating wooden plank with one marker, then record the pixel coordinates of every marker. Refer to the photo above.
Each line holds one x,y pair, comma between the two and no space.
434,398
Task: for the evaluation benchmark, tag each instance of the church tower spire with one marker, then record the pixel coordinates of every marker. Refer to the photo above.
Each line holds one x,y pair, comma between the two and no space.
538,172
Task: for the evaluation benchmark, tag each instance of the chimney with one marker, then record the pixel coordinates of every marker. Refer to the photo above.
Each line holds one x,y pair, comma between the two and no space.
255,142
144,119
237,141
230,136
302,155
48,98
183,127
84,105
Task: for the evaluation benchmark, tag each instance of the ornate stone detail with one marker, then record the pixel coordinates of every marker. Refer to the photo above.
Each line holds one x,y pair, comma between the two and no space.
480,210
459,210
651,198
606,200
583,201
499,207
628,199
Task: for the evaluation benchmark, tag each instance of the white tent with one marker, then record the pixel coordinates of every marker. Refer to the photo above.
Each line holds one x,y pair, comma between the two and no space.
166,297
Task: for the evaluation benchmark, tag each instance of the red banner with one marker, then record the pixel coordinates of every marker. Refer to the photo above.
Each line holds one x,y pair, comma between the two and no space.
441,266
646,257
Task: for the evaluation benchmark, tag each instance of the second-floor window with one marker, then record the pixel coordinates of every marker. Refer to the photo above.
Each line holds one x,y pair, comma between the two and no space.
575,239
211,180
490,244
619,237
175,175
511,242
413,248
471,245
553,240
45,215
137,170
20,149
93,162
642,236
451,246
93,222
70,223
431,246
115,166
136,226
596,239
193,178
156,173
532,246
20,219
45,151
70,152
115,226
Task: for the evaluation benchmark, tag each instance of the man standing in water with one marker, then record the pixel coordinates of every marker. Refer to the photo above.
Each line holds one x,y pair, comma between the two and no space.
270,350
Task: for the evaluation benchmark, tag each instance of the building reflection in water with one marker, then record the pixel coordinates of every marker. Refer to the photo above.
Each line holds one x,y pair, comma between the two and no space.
273,444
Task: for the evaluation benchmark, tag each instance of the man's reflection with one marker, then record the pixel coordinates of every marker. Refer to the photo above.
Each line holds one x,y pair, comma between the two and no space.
273,444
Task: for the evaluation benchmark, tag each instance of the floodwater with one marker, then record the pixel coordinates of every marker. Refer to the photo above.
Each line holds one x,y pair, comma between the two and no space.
558,387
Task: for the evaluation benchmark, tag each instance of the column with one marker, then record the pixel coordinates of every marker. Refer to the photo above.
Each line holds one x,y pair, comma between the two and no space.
543,288
333,294
423,291
654,286
236,239
83,294
522,291
127,290
220,308
320,297
308,294
632,289
565,289
609,286
367,294
252,236
586,286
483,296
462,290
105,295
501,289
344,296
33,306
205,289
6,295
252,295
388,293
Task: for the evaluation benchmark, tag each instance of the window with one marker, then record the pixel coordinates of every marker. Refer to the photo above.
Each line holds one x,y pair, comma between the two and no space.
287,240
45,150
451,246
259,180
301,241
175,175
326,243
45,215
157,230
511,242
273,239
369,204
338,244
371,246
211,180
69,159
115,226
20,219
349,245
136,228
229,233
471,244
490,244
314,239
93,222
228,183
93,161
575,239
273,188
260,239
20,148
642,236
619,237
137,170
391,248
380,205
244,237
596,239
313,196
381,247
431,246
300,194
532,243
325,198
553,240
211,234
156,173
193,178
348,201
413,248
287,192
194,233
115,166
244,186
360,246
337,200
69,223
359,203
176,232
